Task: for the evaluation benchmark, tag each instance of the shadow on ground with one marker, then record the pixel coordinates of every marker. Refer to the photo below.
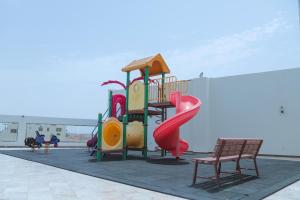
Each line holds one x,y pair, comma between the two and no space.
224,183
168,161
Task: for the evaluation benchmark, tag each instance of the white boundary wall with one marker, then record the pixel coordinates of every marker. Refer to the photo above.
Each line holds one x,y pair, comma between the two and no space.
246,106
250,105
23,120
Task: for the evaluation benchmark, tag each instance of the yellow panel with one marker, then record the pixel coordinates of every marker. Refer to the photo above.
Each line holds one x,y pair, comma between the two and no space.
112,134
136,96
135,134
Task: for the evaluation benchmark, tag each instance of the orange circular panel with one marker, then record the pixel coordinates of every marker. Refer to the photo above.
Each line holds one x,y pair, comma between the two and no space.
156,67
112,132
156,64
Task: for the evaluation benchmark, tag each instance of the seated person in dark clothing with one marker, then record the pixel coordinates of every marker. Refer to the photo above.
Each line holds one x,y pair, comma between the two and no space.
54,140
39,139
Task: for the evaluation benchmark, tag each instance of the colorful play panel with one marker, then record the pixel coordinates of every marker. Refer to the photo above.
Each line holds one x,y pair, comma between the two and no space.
125,128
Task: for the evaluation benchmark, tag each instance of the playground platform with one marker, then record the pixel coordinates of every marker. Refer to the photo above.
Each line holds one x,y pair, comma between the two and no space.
166,175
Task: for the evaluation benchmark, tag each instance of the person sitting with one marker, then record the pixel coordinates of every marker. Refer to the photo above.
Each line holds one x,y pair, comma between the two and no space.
39,139
54,140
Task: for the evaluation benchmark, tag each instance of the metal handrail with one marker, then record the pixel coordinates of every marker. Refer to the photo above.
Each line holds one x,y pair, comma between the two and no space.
105,116
96,126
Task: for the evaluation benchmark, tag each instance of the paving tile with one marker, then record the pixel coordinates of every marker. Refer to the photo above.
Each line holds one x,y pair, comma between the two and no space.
26,180
29,178
291,192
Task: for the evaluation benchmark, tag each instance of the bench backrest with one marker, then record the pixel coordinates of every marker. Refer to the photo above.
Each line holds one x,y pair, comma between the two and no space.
252,146
229,147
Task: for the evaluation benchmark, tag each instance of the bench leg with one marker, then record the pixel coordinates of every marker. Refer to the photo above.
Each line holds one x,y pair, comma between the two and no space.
255,165
238,167
195,173
216,173
219,168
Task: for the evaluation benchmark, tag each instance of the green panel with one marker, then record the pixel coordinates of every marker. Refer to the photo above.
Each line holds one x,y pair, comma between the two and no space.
146,77
163,152
162,87
110,104
124,155
125,119
99,142
127,92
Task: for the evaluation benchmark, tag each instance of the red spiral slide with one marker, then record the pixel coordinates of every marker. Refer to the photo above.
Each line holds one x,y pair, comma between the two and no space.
166,134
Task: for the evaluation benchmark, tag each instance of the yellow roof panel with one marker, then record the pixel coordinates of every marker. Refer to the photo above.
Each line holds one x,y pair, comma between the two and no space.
156,65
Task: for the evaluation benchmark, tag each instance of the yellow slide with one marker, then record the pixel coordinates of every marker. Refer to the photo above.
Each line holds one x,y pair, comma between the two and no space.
112,134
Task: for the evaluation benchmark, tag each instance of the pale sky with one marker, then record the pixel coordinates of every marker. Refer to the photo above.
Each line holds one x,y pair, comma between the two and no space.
54,53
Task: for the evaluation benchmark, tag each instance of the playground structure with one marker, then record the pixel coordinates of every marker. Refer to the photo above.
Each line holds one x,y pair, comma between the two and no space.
126,126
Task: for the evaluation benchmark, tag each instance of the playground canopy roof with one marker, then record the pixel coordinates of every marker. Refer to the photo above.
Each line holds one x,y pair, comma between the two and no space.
156,65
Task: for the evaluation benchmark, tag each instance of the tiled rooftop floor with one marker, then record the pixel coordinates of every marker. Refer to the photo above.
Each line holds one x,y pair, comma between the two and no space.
21,179
291,192
26,180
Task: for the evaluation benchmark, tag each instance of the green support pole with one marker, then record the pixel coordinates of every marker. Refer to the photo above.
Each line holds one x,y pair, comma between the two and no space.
125,118
124,155
163,152
99,142
146,77
162,87
127,92
110,104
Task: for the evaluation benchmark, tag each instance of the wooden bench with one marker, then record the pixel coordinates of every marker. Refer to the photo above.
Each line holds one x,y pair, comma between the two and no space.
229,149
